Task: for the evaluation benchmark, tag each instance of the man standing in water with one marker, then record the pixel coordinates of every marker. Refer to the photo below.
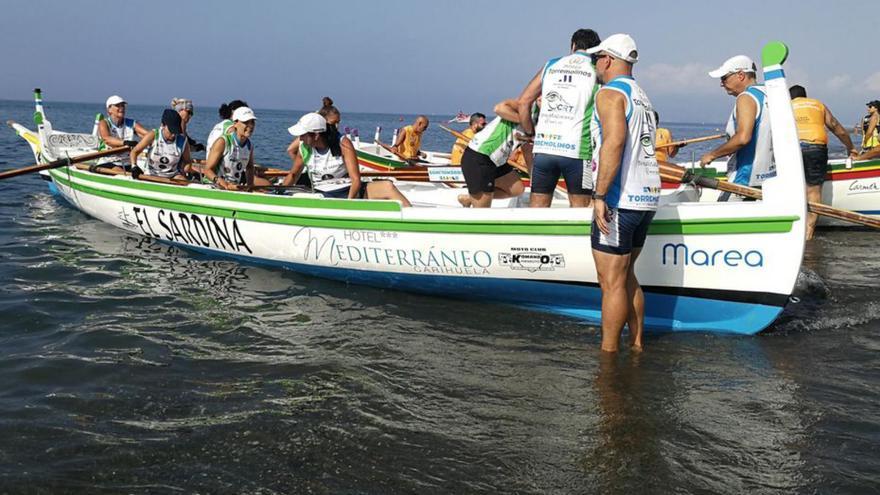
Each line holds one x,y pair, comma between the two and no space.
750,142
563,146
627,188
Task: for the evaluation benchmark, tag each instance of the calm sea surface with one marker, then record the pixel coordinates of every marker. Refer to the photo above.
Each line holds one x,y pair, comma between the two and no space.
128,366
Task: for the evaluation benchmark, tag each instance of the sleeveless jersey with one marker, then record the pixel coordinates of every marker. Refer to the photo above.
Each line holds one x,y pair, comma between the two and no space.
459,146
809,115
873,140
235,159
637,183
327,172
753,163
411,144
218,130
125,132
568,87
498,139
163,157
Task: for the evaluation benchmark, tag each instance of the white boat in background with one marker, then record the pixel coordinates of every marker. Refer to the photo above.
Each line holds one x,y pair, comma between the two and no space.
718,267
460,118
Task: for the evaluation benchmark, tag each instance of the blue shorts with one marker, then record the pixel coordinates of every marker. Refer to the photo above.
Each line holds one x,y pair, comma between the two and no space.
629,228
547,169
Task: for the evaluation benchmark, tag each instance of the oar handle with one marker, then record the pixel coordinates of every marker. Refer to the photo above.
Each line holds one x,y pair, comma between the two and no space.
63,162
694,140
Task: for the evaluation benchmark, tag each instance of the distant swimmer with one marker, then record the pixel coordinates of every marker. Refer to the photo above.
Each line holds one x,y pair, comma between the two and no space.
476,123
230,163
116,130
627,188
749,142
664,137
184,107
167,149
562,140
871,126
409,141
332,163
484,161
812,118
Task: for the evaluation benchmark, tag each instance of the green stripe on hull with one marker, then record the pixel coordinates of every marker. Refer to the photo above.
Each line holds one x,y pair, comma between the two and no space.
709,226
380,161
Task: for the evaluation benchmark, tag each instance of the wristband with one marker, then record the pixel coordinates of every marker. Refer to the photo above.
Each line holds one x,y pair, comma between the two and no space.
600,197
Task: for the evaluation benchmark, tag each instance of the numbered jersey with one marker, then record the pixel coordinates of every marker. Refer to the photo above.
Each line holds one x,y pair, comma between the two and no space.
163,157
753,163
568,87
636,186
327,172
235,159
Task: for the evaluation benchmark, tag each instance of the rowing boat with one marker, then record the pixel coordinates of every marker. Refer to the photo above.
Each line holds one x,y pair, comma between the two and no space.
705,267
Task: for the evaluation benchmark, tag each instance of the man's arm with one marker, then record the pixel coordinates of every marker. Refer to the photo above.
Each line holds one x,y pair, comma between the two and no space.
524,103
746,113
838,130
400,137
104,133
869,155
140,130
611,106
508,110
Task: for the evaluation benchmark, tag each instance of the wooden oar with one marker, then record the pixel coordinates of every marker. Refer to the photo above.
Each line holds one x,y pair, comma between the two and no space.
693,140
63,162
467,140
673,173
389,149
143,177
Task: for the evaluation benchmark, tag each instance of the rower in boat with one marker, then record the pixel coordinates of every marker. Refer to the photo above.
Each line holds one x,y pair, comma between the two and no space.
563,146
167,149
221,127
484,161
333,117
476,124
409,140
871,126
116,130
627,187
230,162
332,163
749,144
184,107
662,149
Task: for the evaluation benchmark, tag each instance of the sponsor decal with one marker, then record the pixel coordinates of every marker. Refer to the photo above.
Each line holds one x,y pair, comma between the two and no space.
858,187
531,260
680,254
189,228
554,102
64,140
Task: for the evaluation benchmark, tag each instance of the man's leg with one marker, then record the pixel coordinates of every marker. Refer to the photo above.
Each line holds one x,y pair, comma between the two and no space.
814,195
579,200
579,181
508,186
612,270
636,318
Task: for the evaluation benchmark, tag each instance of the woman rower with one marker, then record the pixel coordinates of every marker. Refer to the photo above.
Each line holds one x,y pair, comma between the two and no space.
332,116
221,127
332,163
230,162
116,130
167,149
184,107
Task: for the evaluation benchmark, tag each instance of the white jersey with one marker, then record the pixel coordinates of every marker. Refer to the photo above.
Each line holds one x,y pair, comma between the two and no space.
163,157
218,130
568,85
637,183
327,172
235,159
124,131
753,163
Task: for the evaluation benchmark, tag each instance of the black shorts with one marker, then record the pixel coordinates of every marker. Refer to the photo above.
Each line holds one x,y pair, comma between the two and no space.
815,163
547,169
342,192
480,172
628,231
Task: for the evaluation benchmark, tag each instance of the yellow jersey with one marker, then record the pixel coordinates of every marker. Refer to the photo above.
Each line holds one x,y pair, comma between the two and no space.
459,146
412,143
663,137
809,115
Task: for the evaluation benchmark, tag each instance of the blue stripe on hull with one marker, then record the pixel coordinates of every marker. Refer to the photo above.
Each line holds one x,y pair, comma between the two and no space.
664,312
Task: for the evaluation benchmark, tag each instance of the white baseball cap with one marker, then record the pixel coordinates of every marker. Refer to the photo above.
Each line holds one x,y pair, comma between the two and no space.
739,63
620,46
243,114
310,122
115,100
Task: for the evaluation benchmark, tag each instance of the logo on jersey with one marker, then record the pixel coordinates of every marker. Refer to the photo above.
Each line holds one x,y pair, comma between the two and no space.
555,102
647,144
566,78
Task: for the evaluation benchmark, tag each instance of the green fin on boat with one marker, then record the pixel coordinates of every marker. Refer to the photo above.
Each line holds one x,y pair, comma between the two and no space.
774,53
38,118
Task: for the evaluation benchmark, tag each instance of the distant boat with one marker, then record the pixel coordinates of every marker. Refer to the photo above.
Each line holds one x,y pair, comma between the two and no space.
460,118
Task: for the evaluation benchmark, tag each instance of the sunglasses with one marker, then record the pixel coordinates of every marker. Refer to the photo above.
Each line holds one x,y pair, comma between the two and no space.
597,57
725,76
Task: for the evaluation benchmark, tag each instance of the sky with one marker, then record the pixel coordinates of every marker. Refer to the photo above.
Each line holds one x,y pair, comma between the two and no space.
417,56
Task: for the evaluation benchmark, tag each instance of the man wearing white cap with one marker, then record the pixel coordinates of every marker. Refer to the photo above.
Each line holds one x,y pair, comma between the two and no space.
748,128
332,163
562,142
116,130
230,162
627,187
